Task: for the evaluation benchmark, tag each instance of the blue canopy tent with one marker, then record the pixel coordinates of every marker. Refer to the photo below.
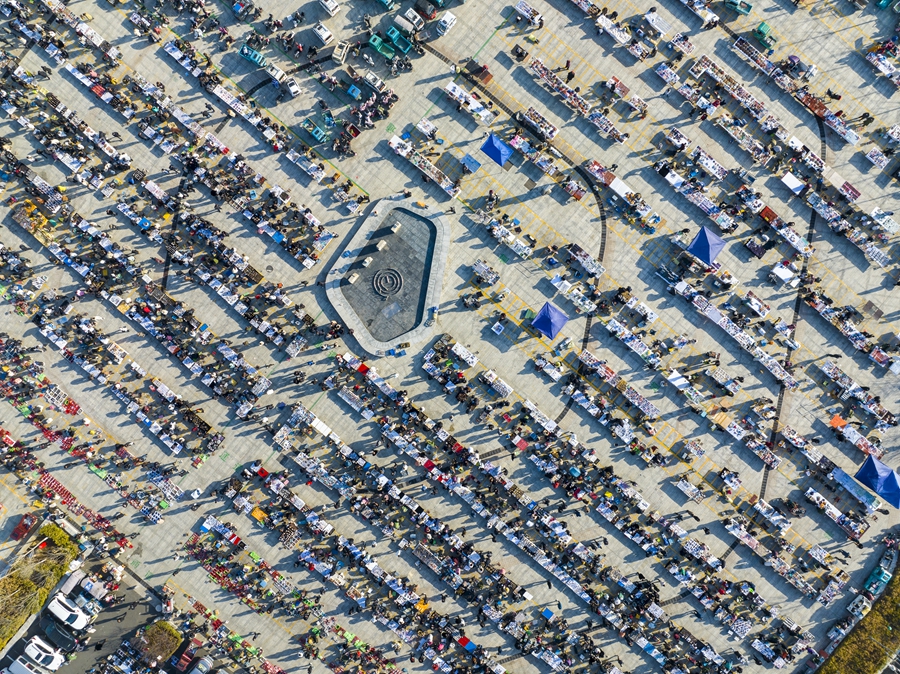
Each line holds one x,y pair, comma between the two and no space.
549,321
706,246
496,149
881,479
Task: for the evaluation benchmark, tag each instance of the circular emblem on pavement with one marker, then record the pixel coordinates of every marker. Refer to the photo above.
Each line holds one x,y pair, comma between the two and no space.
387,282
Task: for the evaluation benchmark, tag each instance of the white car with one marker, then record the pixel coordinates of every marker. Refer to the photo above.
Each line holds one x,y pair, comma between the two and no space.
323,33
446,23
293,88
67,613
44,654
330,6
276,73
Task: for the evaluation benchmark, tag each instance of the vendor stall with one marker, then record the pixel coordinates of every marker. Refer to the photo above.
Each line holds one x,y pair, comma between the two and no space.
539,124
528,13
417,159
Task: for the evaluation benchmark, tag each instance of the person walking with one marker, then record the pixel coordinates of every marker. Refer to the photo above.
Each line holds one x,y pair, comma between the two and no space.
570,76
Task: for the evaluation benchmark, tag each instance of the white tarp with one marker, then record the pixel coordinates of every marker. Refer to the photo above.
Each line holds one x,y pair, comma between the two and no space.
793,184
678,380
619,187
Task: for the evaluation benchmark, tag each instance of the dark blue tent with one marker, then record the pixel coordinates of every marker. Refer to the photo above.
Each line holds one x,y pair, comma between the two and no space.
496,149
549,321
881,479
706,246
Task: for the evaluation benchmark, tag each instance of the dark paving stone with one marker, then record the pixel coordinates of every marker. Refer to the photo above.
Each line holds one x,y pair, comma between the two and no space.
389,294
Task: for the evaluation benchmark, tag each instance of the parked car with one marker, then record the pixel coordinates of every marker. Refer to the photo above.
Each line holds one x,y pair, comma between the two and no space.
59,636
65,610
25,526
425,9
203,665
330,6
446,23
243,8
413,17
323,33
405,26
22,666
44,654
293,87
276,73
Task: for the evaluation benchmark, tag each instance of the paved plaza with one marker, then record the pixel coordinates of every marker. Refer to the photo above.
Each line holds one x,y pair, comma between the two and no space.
624,502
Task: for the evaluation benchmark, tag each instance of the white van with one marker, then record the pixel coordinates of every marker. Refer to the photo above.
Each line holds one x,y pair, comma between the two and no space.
446,23
44,654
330,6
413,17
22,666
276,73
323,33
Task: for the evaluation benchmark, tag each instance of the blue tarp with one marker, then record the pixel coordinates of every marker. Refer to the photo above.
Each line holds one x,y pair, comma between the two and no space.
496,149
470,163
549,321
881,479
706,246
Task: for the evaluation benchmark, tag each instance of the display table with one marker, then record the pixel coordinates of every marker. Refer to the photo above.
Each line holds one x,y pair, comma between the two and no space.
470,104
417,159
541,126
569,96
753,56
667,74
536,157
528,13
677,138
710,165
884,67
877,157
575,189
839,126
659,24
701,9
851,389
759,307
620,35
606,127
682,44
884,221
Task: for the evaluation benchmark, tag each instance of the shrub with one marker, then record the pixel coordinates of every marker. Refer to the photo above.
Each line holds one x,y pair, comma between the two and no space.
59,538
25,589
160,641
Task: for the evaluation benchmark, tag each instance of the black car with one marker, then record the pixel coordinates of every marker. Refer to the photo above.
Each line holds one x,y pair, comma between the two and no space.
425,9
59,636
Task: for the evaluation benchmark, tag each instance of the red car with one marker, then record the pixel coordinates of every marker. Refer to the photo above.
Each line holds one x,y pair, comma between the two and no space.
25,526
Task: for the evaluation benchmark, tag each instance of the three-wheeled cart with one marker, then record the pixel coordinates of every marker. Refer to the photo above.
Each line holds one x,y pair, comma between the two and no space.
313,129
